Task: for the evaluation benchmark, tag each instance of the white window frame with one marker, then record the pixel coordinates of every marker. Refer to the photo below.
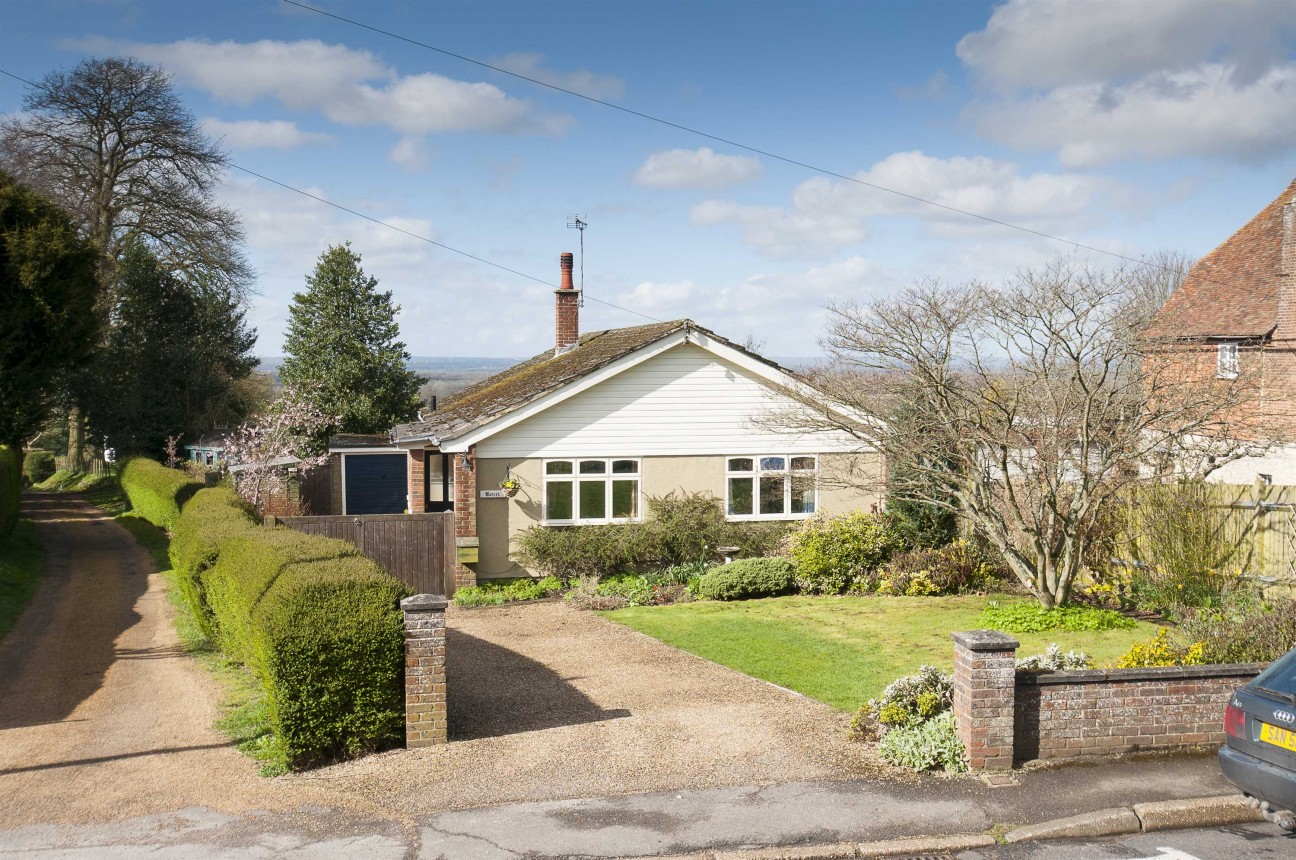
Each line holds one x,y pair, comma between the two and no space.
755,475
1227,360
576,478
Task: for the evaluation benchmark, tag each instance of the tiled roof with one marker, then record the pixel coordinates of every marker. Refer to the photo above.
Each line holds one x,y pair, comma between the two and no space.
360,440
532,379
1233,290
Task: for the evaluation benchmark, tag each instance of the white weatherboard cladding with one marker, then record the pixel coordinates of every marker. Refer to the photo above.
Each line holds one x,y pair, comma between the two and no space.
685,401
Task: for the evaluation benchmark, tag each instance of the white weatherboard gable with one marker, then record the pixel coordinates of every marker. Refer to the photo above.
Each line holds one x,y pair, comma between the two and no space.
689,398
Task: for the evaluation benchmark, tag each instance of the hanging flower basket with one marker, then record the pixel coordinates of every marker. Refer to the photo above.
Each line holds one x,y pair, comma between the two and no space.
510,486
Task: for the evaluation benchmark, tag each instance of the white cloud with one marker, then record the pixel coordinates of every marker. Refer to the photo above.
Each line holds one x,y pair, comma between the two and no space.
410,154
696,168
1201,112
1028,44
828,214
582,81
1100,81
260,134
345,85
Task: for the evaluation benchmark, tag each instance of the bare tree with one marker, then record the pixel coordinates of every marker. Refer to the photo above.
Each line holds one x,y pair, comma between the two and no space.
1027,408
112,144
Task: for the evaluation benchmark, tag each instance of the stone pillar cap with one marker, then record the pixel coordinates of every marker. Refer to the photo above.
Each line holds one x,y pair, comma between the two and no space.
424,602
985,640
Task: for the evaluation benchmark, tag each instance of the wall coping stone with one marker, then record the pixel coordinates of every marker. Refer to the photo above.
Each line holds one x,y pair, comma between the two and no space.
985,640
1159,673
424,603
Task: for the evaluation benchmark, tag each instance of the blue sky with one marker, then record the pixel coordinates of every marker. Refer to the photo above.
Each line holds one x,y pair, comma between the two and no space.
1134,126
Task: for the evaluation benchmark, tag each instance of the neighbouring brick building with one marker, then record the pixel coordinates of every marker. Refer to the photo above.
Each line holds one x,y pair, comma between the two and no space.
1233,321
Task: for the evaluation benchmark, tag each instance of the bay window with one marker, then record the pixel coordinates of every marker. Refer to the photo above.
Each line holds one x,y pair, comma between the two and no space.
771,486
591,491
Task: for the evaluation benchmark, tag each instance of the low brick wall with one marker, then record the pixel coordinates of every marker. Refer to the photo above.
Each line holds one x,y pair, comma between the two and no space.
1100,712
1081,714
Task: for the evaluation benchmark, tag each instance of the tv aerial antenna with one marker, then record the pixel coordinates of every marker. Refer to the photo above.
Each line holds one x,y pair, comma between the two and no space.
580,222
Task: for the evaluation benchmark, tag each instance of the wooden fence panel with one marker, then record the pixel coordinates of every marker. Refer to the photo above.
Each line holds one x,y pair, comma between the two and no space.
418,549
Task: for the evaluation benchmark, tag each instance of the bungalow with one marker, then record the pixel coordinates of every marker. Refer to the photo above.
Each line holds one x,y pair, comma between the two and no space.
1233,319
209,450
585,432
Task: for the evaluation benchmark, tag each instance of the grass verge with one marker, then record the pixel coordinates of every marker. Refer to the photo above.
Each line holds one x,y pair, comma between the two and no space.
844,651
21,556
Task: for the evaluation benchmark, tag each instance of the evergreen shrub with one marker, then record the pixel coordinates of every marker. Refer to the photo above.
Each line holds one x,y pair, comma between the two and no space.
38,466
748,577
208,520
319,626
10,488
155,492
679,529
835,553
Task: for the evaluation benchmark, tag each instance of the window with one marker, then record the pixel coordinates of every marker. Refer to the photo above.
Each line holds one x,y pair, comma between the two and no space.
1226,361
591,491
438,481
771,486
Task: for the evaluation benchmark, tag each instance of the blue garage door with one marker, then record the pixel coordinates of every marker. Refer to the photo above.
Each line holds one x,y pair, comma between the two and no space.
375,483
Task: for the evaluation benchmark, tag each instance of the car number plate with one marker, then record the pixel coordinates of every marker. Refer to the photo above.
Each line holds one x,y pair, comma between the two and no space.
1277,736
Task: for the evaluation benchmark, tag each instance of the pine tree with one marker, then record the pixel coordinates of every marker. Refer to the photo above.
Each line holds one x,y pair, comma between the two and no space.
342,347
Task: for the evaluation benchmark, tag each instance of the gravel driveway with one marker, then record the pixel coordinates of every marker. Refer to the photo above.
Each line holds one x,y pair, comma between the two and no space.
103,717
549,702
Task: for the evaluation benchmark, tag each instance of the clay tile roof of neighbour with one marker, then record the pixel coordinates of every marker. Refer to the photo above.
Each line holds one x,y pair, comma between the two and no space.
1233,290
532,379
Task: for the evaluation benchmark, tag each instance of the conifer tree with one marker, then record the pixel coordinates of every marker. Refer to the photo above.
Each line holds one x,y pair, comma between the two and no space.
342,346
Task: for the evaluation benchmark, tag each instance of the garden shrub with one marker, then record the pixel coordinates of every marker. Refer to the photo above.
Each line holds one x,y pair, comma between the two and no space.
585,595
831,553
678,529
38,466
494,592
908,701
960,567
1159,651
748,577
156,492
318,624
1245,631
1055,660
10,488
929,745
1030,617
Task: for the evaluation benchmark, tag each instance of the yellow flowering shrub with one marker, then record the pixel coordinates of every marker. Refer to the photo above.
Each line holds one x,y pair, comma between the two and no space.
1160,651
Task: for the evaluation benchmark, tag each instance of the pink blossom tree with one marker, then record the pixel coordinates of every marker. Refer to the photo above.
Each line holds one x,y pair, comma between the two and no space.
262,450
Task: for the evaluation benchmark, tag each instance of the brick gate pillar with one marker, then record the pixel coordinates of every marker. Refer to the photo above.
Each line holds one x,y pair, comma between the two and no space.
985,682
425,675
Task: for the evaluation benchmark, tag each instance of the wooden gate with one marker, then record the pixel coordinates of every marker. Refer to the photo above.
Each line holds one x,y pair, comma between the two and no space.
418,549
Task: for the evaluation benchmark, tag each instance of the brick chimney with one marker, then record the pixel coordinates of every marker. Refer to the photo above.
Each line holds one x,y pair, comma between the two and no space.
566,310
1287,275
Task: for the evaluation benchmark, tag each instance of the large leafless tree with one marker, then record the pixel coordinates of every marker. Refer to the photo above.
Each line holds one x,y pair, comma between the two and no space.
111,143
1028,408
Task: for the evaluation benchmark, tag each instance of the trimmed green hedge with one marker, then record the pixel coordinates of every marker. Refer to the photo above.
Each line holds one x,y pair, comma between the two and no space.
748,577
155,492
10,488
315,621
38,466
209,519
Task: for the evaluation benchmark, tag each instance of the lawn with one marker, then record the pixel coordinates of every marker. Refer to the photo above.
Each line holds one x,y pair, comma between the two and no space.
844,650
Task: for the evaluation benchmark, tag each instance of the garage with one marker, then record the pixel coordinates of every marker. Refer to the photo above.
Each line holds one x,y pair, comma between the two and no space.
373,483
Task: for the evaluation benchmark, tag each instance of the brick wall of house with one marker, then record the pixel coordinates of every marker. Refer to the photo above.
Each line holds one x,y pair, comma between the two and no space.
1093,713
1264,404
415,465
335,471
465,509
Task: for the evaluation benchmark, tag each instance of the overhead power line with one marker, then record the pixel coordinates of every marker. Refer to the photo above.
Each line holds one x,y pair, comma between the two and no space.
389,225
729,142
